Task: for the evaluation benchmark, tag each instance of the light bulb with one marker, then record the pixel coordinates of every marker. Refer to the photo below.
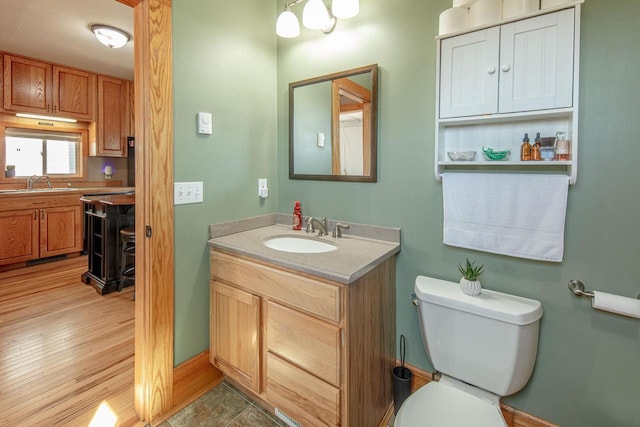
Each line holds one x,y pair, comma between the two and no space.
315,15
287,25
345,8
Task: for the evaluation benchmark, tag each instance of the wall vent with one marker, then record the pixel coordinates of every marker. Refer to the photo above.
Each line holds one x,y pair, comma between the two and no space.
287,419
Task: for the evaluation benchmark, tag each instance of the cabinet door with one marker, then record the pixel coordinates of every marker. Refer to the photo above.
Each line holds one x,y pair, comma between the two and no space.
234,329
19,236
60,230
27,85
469,74
74,93
536,63
112,117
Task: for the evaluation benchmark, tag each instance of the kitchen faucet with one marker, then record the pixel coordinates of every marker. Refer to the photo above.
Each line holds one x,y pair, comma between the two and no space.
35,178
319,225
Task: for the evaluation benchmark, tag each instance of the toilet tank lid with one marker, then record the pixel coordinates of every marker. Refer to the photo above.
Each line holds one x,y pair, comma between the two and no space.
491,304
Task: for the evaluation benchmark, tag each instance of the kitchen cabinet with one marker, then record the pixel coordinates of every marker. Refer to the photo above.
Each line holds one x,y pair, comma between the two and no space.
109,133
319,351
60,230
40,226
500,82
1,82
28,85
19,235
32,86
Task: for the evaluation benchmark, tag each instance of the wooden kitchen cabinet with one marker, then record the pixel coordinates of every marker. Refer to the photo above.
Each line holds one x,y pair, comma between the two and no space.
28,85
320,352
32,86
19,235
39,226
109,136
74,93
60,230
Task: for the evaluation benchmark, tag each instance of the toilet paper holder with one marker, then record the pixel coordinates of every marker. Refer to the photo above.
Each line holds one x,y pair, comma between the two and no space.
577,287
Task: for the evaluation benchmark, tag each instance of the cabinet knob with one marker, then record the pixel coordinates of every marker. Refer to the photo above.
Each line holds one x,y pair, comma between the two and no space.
506,68
491,70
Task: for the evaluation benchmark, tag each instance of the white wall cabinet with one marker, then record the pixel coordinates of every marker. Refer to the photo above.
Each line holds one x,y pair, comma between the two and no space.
497,83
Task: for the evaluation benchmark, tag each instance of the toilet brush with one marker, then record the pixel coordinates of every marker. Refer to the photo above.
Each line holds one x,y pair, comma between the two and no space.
401,379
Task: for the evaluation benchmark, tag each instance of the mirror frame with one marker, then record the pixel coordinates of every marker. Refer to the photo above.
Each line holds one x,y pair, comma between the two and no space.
373,175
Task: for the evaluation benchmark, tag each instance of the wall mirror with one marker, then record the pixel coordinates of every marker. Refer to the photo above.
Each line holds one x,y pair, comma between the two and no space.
332,126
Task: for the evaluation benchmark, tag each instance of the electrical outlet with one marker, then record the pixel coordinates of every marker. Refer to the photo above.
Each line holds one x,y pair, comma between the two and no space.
187,192
263,190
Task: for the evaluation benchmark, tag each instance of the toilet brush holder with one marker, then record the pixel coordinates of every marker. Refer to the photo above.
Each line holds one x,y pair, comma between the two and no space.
401,380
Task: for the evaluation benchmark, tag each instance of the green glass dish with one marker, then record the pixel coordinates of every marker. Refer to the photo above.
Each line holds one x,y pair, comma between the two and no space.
491,154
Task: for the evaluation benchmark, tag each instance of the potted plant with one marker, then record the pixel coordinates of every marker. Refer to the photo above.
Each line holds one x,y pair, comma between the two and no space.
10,171
469,282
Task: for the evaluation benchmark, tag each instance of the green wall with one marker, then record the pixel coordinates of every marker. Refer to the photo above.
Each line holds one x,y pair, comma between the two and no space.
587,369
227,61
224,62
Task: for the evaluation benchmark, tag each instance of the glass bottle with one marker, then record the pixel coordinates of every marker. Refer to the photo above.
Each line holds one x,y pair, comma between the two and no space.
562,146
525,148
535,148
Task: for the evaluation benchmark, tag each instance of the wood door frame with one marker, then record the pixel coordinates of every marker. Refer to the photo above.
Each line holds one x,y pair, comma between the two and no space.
154,309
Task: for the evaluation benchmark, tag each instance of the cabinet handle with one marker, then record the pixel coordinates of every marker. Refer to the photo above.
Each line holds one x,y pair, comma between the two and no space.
48,108
506,68
35,215
41,214
491,70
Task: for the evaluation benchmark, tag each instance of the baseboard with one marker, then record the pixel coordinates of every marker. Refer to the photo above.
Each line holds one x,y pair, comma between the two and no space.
513,417
191,380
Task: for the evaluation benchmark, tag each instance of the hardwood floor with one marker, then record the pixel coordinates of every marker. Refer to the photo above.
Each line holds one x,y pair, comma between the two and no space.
64,349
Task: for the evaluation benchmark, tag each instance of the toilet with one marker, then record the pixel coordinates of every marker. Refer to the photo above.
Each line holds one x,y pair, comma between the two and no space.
484,346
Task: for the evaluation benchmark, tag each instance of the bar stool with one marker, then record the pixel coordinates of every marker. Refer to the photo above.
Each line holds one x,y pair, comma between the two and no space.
128,257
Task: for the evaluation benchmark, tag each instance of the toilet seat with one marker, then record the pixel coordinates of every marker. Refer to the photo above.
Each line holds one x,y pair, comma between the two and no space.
440,404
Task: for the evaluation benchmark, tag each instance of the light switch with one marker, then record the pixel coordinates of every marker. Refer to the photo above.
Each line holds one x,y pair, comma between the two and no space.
187,192
205,123
320,139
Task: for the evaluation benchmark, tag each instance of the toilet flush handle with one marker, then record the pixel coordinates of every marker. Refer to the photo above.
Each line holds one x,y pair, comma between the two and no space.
415,300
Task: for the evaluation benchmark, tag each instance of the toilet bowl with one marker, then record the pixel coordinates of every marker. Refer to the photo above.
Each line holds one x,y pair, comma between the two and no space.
485,347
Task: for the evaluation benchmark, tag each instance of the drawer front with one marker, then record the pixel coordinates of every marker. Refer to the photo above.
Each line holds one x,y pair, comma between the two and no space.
314,296
307,342
300,395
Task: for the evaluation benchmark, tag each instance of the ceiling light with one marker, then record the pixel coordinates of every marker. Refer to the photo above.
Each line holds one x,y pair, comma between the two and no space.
109,36
50,118
345,8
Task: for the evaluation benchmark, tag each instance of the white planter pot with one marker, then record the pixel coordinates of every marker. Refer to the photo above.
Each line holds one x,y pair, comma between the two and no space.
470,287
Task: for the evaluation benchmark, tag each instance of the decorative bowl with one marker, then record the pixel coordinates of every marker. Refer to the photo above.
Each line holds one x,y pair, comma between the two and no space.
492,154
461,155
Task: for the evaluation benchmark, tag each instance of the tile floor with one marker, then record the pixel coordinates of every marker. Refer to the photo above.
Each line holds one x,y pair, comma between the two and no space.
225,406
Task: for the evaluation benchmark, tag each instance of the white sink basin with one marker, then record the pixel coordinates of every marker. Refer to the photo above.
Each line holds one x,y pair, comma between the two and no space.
298,245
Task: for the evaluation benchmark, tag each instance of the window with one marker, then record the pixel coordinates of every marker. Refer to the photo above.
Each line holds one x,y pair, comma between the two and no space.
41,152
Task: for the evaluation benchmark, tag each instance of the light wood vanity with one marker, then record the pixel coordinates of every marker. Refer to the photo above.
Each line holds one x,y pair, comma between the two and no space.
319,350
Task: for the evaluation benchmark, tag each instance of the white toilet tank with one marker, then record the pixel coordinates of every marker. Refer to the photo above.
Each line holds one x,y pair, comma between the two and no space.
489,341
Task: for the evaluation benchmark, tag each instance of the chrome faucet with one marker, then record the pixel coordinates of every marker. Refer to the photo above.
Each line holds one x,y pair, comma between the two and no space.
337,232
319,225
35,178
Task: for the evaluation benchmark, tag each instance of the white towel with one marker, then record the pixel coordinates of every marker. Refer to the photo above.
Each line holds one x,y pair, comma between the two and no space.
520,215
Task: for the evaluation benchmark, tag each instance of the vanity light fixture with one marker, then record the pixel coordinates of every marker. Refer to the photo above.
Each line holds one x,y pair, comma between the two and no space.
110,36
315,16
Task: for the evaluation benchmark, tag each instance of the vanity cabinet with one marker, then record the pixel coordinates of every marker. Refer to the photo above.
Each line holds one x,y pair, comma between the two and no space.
39,227
32,86
319,351
498,83
109,134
